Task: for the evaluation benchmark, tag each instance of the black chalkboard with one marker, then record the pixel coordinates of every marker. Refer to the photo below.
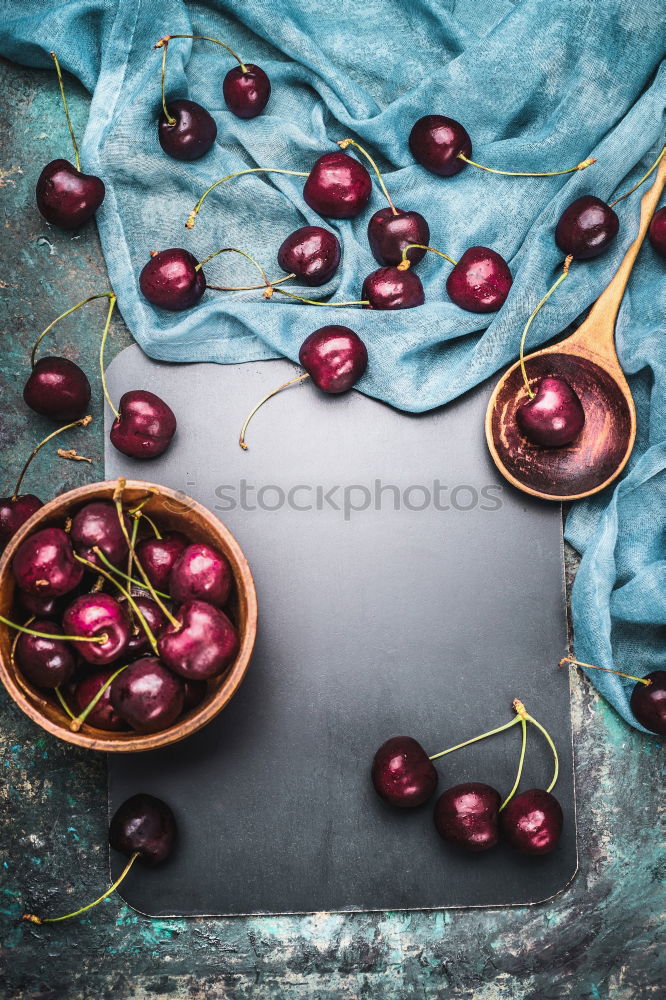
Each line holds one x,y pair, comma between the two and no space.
424,620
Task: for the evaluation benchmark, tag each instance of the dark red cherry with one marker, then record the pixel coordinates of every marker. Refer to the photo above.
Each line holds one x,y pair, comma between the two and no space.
98,615
66,197
648,702
145,426
44,564
338,186
46,663
389,288
96,525
195,692
147,695
246,91
657,231
389,234
57,388
335,358
311,253
41,607
204,645
14,512
171,280
532,822
201,574
145,826
402,772
554,417
192,134
155,618
158,556
436,143
468,815
103,715
480,281
586,228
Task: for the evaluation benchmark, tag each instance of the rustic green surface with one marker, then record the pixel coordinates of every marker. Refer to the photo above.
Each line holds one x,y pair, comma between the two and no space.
599,939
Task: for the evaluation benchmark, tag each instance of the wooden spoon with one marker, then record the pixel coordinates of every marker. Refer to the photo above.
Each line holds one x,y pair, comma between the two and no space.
589,363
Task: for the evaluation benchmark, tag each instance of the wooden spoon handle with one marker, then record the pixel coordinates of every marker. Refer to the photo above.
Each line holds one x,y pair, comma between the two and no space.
599,327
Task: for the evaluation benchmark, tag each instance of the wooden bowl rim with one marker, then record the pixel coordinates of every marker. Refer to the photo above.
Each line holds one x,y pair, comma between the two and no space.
198,717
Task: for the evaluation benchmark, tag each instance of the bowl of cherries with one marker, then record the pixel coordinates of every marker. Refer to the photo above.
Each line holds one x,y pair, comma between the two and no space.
128,616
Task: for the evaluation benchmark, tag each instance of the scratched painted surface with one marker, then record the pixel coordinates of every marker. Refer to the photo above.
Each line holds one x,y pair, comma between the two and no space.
599,939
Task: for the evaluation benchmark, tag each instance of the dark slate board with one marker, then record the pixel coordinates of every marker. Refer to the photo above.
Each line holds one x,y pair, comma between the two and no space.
426,622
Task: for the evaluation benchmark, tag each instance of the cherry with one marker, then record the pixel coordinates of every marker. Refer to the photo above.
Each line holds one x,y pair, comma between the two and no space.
172,279
311,254
648,702
201,574
195,692
145,826
45,663
99,616
144,425
44,564
14,512
57,388
468,815
96,525
532,822
553,416
657,231
155,618
338,186
586,227
246,90
402,772
185,130
203,645
147,695
38,606
103,715
158,556
390,231
391,288
480,281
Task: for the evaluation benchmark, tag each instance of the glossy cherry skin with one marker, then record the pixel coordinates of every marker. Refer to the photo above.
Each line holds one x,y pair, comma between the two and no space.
195,692
14,512
82,692
586,228
158,557
648,703
98,615
657,231
532,822
44,564
192,134
402,773
171,280
96,525
480,281
155,618
41,607
335,358
46,663
338,186
468,815
246,93
145,426
554,417
311,253
389,288
436,143
389,234
143,825
57,388
204,646
67,198
201,574
147,695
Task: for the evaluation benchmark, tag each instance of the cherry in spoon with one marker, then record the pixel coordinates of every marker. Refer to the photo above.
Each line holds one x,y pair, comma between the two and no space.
657,231
554,416
468,815
402,773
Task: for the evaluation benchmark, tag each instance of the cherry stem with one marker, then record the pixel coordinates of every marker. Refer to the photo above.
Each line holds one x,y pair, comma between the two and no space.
344,143
51,635
521,761
130,600
164,45
155,529
475,739
64,104
102,295
163,42
34,919
243,254
127,576
274,392
112,302
249,288
405,264
64,704
565,272
638,183
83,422
313,302
512,173
77,722
253,170
606,670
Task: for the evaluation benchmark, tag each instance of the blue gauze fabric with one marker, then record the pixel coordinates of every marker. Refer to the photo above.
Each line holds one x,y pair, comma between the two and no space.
538,86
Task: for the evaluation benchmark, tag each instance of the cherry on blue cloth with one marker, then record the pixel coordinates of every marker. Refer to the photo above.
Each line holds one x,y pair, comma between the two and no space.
538,88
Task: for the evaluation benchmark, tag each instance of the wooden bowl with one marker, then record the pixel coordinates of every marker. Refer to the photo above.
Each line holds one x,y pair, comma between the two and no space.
175,512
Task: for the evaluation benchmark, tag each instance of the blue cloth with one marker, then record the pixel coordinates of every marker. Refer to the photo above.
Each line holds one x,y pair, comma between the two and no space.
539,87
